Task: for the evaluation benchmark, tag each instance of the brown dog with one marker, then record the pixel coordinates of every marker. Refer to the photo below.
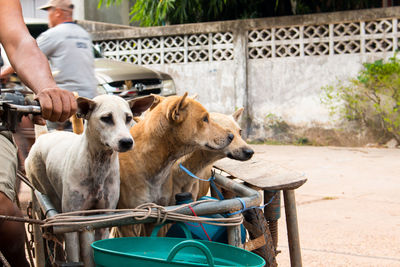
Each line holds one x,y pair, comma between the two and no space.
200,162
175,126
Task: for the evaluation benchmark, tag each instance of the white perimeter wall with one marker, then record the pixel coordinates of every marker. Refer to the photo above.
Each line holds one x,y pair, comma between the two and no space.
269,66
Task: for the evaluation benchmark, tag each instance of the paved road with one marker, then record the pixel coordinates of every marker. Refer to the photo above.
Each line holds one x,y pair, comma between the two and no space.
349,209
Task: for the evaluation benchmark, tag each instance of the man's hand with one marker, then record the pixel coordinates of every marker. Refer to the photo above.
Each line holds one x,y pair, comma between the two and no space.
57,104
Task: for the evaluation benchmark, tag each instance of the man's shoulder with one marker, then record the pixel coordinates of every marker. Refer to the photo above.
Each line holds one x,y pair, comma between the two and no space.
51,31
72,28
61,31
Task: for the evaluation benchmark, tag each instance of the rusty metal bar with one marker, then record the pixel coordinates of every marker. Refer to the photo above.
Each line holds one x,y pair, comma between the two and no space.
292,228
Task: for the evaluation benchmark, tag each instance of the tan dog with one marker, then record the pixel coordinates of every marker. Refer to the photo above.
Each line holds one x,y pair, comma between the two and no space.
200,162
175,126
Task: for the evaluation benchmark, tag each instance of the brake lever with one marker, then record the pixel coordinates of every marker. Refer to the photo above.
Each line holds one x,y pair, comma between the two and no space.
12,113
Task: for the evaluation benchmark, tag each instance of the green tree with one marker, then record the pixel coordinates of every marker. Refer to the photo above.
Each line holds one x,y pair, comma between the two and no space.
161,12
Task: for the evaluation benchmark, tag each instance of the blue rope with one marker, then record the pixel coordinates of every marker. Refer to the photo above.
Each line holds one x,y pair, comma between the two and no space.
221,197
245,208
211,180
212,183
194,176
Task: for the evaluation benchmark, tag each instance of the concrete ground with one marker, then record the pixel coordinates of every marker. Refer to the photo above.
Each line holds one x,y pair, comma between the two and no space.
348,210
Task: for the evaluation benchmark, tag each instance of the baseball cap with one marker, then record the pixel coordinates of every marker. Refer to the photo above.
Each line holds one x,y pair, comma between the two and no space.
63,4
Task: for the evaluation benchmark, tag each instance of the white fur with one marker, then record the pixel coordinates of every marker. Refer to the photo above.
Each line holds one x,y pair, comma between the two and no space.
80,172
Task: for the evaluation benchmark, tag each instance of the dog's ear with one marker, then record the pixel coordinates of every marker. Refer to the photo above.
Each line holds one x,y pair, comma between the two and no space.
175,113
157,100
85,107
236,115
140,104
195,96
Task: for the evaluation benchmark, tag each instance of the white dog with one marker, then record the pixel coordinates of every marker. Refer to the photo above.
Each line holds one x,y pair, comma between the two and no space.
81,172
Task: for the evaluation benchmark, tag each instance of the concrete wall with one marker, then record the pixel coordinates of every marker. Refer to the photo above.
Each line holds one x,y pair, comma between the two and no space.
291,87
213,82
270,66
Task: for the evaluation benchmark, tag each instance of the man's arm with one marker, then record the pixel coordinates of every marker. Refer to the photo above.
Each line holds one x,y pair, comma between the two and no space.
31,65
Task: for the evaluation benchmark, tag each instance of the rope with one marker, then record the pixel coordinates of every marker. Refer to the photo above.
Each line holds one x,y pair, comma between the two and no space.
221,197
244,205
202,227
25,179
20,219
214,186
193,175
4,260
211,180
142,212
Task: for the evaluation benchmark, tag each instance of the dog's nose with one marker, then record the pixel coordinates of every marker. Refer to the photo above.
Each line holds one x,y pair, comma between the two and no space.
248,152
125,144
230,137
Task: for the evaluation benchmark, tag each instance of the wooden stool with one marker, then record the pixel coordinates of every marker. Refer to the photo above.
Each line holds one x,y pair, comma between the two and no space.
264,175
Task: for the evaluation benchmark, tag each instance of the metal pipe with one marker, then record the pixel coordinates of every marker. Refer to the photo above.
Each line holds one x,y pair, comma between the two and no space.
234,235
249,196
85,239
72,247
25,109
45,204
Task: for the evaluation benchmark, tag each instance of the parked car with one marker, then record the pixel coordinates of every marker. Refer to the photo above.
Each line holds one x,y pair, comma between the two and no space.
130,80
118,78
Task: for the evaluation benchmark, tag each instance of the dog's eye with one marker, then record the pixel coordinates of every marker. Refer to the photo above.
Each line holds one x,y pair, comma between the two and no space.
240,132
128,118
107,119
205,119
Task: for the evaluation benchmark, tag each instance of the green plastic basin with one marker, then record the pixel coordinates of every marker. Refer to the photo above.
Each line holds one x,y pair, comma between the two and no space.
165,251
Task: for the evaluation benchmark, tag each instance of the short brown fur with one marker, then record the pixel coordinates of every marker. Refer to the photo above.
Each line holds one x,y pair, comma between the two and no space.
174,127
200,161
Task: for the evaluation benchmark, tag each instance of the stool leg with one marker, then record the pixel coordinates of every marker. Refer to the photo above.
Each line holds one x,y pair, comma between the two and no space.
292,228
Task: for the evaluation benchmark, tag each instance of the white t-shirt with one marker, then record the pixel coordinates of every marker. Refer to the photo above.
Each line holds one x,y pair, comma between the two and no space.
69,49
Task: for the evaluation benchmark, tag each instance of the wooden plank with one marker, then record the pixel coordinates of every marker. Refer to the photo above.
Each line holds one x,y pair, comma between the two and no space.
292,228
262,173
